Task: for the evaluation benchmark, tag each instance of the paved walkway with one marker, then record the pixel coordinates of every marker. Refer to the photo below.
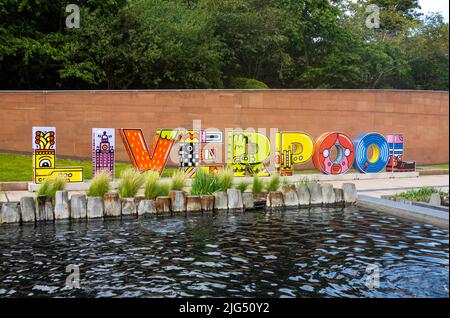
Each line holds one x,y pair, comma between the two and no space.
371,187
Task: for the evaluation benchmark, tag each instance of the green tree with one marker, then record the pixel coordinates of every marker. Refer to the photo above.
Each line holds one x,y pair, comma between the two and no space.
221,43
428,54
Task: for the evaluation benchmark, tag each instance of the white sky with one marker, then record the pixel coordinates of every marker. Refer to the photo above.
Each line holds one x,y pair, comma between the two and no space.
435,6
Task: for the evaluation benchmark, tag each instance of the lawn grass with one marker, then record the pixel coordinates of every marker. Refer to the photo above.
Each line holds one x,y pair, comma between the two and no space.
16,167
443,166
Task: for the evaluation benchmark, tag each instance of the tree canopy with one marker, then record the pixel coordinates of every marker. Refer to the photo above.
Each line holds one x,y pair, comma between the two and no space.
175,44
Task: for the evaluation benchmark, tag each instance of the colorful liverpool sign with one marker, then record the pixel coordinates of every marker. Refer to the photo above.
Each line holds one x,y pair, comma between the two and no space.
246,152
44,158
103,150
396,163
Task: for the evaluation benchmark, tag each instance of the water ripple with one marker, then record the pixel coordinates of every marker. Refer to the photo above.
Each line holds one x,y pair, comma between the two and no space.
317,252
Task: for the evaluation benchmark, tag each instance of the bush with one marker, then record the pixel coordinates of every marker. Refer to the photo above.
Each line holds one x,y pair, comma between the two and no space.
178,181
50,186
423,194
205,183
243,186
99,185
247,83
257,186
130,183
151,184
225,179
273,184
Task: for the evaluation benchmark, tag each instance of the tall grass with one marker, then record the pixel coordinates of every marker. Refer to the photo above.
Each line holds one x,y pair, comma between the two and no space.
205,183
130,183
274,183
257,185
242,186
161,189
50,186
225,179
178,181
99,185
150,184
45,188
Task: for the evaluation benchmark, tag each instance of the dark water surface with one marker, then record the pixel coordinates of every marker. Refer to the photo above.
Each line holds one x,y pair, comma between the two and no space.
316,252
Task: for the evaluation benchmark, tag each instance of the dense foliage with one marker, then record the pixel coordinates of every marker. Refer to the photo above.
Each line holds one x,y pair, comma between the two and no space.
124,44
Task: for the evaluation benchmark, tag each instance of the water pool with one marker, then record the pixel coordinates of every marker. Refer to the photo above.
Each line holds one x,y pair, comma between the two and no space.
317,252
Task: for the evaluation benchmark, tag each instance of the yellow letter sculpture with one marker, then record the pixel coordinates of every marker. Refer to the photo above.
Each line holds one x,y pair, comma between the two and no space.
246,153
292,148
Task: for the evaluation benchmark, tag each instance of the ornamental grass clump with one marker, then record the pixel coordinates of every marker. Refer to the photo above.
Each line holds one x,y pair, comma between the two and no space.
273,184
204,183
50,186
225,179
130,183
257,185
242,186
161,189
100,185
151,184
306,181
178,181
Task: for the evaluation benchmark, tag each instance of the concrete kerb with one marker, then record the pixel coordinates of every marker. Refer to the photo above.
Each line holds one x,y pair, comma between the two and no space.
407,211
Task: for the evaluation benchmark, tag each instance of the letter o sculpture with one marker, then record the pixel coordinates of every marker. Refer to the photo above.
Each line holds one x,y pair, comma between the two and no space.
380,152
322,153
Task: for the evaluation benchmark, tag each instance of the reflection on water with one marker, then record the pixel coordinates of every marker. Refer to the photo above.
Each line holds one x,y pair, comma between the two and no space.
317,252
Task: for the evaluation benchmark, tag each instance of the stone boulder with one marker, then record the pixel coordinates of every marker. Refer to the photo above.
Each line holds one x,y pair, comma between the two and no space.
62,207
315,192
248,200
275,200
339,195
27,209
290,196
328,196
304,198
146,207
178,201
10,213
207,203
194,203
113,204
235,200
162,204
220,201
350,193
129,207
95,208
44,209
78,207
